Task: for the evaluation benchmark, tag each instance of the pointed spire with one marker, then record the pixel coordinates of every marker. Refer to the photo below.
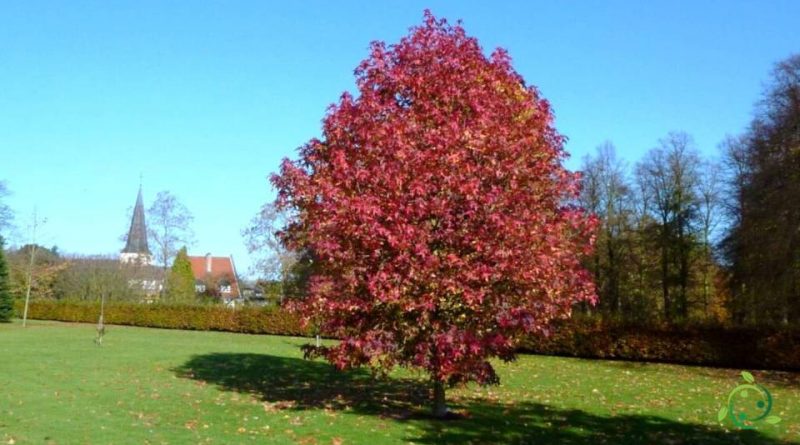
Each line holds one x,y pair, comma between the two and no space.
137,235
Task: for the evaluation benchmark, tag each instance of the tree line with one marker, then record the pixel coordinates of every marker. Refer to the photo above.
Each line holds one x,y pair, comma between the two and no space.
654,253
682,237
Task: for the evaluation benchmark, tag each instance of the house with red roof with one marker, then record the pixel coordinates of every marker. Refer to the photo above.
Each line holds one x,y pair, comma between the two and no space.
215,275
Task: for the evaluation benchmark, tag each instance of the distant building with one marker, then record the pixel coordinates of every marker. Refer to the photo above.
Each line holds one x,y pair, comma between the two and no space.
136,255
136,250
215,275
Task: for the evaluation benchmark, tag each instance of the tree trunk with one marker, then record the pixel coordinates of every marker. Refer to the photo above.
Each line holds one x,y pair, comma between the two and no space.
101,324
30,277
665,284
439,403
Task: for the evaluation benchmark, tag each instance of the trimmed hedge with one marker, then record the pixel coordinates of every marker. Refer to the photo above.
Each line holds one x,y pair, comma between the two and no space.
246,320
736,347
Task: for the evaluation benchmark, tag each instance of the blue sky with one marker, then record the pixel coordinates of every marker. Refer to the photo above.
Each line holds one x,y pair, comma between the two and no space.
204,98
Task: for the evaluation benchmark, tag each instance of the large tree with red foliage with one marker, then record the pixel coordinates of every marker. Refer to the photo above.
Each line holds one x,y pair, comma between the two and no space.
437,213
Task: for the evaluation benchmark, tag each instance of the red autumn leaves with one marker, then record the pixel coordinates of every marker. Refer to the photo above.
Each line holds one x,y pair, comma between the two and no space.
437,212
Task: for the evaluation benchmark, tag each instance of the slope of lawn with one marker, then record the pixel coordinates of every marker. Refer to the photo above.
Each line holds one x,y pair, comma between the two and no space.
150,386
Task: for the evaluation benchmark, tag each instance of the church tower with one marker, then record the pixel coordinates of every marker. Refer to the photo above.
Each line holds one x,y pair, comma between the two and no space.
136,250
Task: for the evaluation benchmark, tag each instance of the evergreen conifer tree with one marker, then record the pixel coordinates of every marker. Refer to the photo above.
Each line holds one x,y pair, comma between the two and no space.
180,282
6,302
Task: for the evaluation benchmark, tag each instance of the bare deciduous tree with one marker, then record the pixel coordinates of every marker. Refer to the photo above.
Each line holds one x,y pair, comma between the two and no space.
272,260
36,222
606,193
668,175
6,215
169,227
87,277
709,196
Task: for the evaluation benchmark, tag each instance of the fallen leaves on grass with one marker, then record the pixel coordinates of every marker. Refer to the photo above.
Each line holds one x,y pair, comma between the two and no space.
280,405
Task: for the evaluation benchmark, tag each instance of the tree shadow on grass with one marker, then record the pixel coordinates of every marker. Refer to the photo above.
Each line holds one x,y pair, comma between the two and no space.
304,384
300,384
534,423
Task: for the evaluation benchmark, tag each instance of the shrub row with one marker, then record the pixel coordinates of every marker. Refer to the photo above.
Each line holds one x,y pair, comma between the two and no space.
745,348
247,320
733,347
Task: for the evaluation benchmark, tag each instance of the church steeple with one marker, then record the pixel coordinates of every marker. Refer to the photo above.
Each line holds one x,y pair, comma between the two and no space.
136,249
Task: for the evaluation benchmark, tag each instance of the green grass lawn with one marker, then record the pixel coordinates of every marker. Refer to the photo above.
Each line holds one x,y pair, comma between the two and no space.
151,386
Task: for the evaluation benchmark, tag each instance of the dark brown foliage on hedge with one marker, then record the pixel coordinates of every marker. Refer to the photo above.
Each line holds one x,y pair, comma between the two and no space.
735,347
